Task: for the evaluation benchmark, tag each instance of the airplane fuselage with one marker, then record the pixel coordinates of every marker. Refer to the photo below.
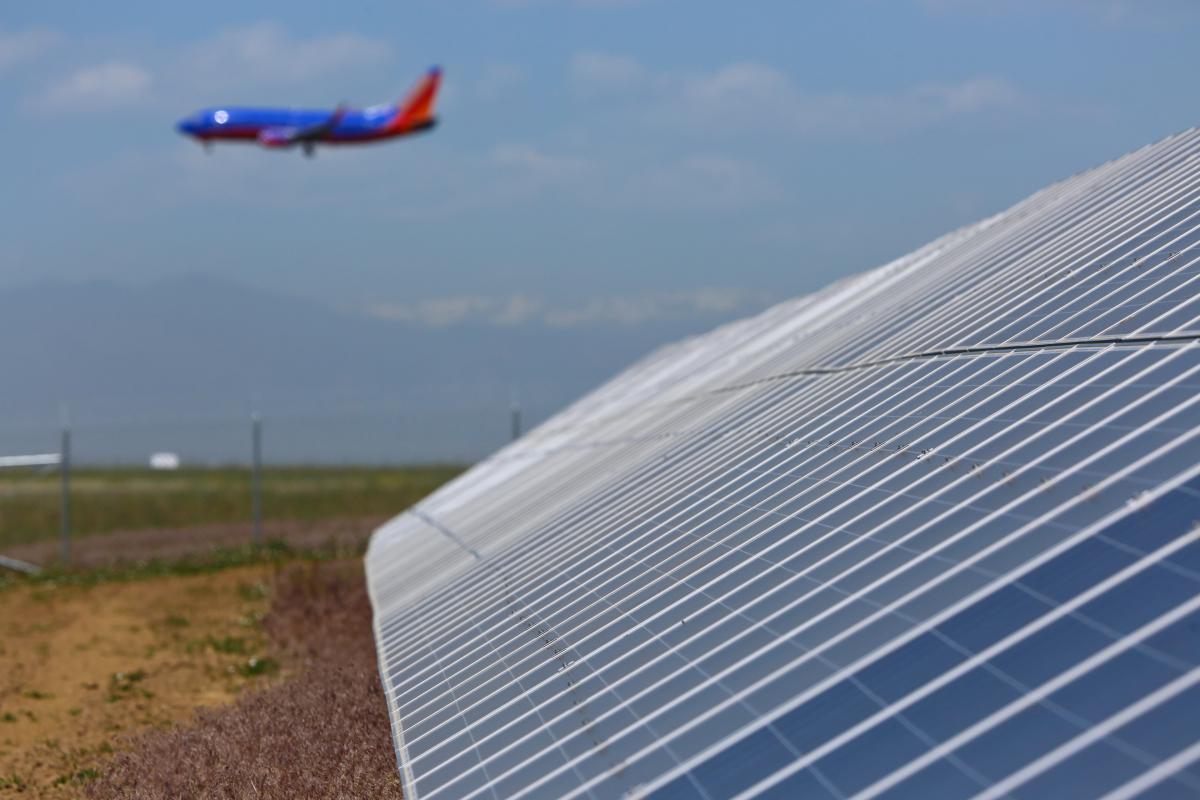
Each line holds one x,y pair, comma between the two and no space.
288,127
234,123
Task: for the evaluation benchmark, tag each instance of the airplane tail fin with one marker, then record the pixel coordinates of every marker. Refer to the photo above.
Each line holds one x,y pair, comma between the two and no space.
416,112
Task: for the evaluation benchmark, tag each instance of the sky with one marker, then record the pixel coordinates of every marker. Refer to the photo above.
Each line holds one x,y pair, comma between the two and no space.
598,161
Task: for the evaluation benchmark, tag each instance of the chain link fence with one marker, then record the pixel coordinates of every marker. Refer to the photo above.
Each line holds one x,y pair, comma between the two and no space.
107,489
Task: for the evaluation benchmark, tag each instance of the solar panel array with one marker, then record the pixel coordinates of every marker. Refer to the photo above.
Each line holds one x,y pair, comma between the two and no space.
929,532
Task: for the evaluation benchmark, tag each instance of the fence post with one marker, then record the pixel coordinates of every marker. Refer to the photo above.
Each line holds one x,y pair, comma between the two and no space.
64,471
256,476
514,410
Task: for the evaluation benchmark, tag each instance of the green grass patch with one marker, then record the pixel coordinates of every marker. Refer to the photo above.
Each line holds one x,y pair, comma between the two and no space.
229,645
77,777
128,499
13,781
276,552
125,684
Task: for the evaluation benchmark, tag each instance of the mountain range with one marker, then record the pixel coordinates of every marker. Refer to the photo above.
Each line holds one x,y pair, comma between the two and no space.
180,363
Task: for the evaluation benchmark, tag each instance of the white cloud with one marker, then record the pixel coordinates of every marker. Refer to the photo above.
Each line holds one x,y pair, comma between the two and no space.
534,163
519,309
749,83
757,96
114,83
465,309
176,173
640,309
235,59
604,71
266,54
498,80
1109,12
570,3
976,94
21,46
703,181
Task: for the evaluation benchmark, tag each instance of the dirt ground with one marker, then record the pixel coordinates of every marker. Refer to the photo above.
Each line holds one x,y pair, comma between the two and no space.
83,666
346,534
320,733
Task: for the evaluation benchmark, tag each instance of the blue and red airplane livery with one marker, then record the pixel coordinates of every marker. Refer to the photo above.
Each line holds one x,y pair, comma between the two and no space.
284,127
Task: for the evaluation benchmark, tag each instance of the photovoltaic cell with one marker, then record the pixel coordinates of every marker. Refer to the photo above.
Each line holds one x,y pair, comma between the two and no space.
930,531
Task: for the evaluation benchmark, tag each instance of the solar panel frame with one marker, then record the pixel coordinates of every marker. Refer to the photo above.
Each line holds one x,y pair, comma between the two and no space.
634,596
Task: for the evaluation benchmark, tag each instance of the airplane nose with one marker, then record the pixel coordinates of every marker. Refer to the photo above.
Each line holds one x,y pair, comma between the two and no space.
187,126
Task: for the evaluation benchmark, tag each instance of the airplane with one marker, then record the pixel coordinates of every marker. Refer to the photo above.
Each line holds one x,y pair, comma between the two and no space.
284,128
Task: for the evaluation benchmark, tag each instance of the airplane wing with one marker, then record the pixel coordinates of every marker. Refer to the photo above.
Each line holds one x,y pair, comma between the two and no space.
286,136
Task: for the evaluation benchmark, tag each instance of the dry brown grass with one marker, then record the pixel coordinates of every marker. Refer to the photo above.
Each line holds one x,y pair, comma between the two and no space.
346,534
322,733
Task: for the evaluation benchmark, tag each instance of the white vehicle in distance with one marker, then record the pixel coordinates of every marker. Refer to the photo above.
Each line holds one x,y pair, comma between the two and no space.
165,461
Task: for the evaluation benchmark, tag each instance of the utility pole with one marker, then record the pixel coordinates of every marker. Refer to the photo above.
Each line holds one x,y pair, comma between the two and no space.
515,415
256,476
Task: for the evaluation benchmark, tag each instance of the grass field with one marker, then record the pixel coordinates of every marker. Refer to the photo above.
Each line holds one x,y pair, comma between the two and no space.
166,607
133,499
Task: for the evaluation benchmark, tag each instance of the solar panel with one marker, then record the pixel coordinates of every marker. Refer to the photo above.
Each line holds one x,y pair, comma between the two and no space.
930,531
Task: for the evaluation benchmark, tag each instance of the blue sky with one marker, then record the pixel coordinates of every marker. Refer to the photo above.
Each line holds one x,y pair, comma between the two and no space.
600,161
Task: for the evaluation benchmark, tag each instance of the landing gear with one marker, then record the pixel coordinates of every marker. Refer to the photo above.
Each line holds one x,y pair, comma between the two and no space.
309,149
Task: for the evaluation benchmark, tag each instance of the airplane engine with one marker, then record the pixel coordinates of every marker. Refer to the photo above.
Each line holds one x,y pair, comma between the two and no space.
274,138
